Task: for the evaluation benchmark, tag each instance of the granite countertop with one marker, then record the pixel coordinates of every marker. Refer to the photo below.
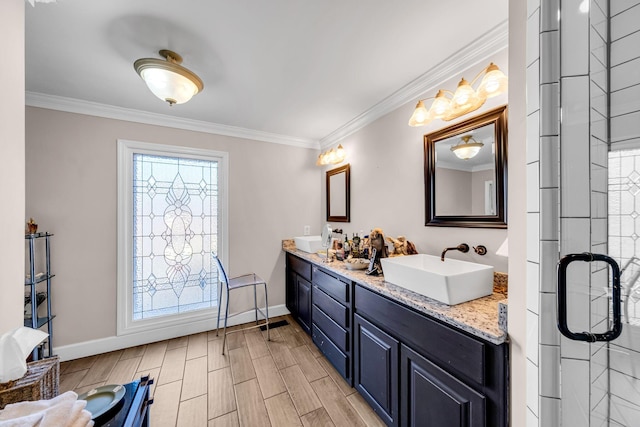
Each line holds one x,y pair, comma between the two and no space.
478,317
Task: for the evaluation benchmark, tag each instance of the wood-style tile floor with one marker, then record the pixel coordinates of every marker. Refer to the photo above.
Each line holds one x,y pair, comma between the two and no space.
279,383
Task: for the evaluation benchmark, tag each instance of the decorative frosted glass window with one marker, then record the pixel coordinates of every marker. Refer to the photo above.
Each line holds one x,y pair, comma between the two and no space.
172,206
175,215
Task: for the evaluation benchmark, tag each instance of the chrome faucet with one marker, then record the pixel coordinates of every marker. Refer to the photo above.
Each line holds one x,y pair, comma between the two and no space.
462,247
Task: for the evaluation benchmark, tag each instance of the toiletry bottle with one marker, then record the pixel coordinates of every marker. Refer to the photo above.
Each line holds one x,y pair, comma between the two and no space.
355,248
345,246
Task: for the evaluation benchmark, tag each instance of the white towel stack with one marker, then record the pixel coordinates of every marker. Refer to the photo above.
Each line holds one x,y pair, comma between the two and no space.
62,411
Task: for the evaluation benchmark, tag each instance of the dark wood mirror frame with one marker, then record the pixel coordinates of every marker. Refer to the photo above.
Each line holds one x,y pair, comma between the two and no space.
346,169
496,116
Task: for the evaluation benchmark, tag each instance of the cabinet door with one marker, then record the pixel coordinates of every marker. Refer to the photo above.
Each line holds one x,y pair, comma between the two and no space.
376,369
432,397
303,292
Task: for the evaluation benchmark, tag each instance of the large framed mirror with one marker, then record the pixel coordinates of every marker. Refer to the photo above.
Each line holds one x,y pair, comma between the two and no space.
338,199
465,172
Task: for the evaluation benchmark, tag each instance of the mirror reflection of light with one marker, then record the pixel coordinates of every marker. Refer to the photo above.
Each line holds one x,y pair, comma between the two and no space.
584,6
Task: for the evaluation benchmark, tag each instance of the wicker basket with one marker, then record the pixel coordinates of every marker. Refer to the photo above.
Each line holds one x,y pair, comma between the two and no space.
40,382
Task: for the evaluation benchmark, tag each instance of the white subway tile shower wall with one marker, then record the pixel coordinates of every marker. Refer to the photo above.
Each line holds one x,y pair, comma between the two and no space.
534,126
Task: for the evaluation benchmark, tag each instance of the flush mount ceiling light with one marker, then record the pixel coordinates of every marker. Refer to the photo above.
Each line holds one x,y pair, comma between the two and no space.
168,80
465,99
466,150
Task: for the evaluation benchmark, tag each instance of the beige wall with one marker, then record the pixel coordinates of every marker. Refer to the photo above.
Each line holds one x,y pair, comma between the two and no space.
517,210
387,181
12,219
71,190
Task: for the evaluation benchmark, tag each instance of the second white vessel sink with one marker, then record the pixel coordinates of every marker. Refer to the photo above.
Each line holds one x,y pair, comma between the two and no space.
451,282
310,244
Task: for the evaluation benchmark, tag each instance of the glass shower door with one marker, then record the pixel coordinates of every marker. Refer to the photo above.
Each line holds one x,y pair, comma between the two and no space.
600,381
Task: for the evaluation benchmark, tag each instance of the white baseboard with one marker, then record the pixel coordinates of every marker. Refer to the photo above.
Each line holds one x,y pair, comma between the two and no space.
104,345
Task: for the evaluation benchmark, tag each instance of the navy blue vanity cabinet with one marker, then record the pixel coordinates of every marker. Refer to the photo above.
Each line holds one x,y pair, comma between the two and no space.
298,291
331,319
417,371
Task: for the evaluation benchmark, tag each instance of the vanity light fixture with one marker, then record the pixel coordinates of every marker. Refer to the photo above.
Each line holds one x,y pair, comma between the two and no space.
448,105
168,80
331,157
466,150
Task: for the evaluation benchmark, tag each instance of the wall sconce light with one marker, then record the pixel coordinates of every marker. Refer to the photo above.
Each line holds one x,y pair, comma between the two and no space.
465,99
168,80
331,157
466,150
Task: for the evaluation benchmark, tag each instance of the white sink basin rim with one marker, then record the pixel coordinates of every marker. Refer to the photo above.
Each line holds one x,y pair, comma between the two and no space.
451,282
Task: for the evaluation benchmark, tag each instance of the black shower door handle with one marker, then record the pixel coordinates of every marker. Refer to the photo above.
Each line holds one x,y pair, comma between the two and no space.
616,330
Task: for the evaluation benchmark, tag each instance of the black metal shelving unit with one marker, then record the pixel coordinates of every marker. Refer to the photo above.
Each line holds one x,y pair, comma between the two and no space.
31,282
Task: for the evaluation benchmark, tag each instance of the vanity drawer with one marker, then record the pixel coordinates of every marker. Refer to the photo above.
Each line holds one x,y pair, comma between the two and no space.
455,350
332,308
332,330
338,359
301,267
331,285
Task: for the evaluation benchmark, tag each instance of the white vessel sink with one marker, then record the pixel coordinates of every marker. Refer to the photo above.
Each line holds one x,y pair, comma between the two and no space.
451,282
310,244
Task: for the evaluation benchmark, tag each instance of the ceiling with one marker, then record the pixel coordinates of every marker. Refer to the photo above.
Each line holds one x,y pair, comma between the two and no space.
297,68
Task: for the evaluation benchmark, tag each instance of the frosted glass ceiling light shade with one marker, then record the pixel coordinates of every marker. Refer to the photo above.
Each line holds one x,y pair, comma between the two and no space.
340,153
440,106
465,100
420,116
466,149
448,105
464,95
493,83
168,80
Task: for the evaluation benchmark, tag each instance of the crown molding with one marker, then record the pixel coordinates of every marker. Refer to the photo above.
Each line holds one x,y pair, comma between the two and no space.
72,105
482,48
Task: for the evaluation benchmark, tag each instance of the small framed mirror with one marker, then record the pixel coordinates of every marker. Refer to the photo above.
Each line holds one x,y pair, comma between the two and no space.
465,172
338,200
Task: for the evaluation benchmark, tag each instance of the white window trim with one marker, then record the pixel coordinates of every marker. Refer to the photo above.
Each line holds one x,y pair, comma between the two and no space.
125,323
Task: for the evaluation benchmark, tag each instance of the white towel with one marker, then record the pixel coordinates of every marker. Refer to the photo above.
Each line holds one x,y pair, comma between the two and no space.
61,411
